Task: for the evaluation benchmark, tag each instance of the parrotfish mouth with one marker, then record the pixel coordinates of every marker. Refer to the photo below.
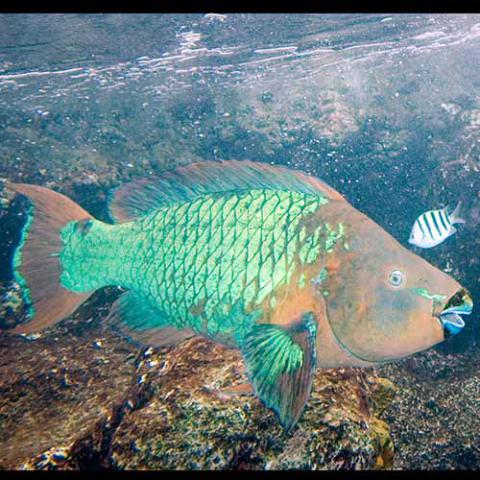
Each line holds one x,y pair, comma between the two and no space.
460,304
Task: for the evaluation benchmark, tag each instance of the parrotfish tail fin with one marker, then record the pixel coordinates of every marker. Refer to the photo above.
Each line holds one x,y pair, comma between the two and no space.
281,364
36,266
455,215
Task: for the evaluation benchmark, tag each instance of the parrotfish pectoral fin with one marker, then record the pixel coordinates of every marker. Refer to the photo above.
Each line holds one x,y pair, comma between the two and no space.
139,321
281,363
187,183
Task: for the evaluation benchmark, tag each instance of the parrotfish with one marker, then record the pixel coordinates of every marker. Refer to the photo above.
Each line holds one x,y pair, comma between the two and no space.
264,259
433,227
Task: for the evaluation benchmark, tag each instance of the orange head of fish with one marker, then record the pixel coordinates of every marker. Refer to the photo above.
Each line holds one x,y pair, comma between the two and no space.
382,302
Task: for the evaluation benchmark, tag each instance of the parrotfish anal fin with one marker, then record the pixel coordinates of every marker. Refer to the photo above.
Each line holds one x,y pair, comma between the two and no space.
141,322
186,183
281,364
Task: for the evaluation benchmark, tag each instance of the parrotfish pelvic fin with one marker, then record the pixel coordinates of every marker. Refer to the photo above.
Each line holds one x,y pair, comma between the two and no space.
281,362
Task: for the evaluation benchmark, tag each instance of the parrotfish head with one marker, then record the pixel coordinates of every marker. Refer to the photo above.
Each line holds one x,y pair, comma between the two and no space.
383,302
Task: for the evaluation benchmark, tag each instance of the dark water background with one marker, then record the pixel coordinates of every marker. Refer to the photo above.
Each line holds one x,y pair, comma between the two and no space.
385,108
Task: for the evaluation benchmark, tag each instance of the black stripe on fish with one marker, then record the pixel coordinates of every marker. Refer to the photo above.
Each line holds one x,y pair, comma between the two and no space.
443,219
434,218
420,226
427,224
445,226
447,217
438,218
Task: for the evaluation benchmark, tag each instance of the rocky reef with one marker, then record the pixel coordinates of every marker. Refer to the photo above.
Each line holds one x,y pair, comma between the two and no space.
82,398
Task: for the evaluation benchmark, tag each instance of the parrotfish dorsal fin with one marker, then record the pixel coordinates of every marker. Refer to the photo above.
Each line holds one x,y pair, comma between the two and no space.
281,365
135,318
186,183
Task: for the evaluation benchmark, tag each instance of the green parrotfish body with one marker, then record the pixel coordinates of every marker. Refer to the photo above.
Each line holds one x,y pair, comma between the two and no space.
264,259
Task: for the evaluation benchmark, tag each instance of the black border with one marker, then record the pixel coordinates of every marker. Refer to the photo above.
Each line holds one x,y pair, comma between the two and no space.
244,6
240,6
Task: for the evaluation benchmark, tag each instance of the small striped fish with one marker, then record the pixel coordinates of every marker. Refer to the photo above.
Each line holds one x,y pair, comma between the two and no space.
433,227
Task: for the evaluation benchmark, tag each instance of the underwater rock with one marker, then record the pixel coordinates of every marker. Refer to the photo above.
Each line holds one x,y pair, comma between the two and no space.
187,424
383,444
11,303
383,392
70,404
54,388
433,419
285,119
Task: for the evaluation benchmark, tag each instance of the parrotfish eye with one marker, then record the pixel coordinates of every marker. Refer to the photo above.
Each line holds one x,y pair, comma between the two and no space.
396,278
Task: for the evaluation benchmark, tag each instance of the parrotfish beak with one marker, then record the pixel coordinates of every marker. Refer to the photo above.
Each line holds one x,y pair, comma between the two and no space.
450,317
